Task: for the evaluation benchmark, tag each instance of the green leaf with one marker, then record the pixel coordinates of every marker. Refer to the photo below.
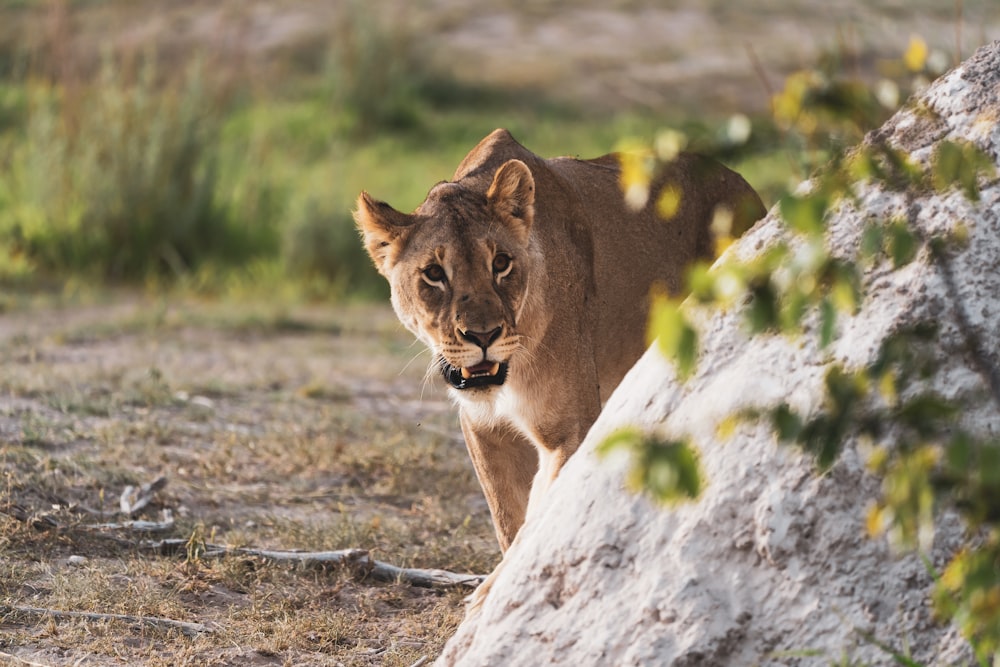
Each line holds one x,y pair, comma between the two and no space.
959,452
845,288
827,322
903,172
701,282
787,423
927,414
763,314
871,242
793,310
862,165
676,338
687,351
627,437
822,436
843,389
669,201
667,470
901,244
804,214
960,164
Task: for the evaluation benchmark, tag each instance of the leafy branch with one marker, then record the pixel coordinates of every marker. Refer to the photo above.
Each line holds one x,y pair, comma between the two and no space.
798,287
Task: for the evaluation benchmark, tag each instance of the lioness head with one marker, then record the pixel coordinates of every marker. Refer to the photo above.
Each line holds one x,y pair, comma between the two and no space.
459,269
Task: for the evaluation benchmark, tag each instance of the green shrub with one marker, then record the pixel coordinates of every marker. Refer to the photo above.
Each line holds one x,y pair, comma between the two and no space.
320,243
376,72
118,179
922,454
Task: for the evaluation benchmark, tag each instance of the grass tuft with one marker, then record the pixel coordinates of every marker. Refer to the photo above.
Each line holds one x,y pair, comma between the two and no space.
118,180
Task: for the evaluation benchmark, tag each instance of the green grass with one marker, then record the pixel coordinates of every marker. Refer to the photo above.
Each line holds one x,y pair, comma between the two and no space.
155,173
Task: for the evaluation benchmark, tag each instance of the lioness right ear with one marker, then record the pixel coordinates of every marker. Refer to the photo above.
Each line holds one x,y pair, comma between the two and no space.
382,228
512,196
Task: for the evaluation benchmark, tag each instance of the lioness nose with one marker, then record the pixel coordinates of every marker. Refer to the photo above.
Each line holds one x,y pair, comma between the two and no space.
482,339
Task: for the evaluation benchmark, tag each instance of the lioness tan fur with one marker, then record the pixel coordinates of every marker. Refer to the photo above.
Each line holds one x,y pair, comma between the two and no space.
529,280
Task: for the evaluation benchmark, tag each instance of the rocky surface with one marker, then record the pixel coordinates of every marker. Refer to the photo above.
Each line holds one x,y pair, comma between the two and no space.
772,564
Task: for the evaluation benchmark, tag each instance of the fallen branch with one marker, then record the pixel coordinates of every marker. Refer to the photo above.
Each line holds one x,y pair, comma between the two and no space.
190,629
134,499
43,522
24,515
359,560
136,525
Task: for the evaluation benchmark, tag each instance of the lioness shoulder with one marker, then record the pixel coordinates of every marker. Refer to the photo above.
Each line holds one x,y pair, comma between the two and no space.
528,278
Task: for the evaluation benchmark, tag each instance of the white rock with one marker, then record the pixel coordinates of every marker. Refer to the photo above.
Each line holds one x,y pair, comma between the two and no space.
772,564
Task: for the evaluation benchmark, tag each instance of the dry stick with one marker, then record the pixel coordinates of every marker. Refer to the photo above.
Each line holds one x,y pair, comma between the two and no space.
358,559
45,522
378,570
758,69
24,515
190,629
134,499
136,525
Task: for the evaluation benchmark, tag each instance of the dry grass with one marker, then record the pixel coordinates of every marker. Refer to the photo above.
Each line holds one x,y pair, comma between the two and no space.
276,429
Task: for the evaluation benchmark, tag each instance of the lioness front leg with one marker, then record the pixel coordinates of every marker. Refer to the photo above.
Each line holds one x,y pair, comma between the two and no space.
550,462
505,463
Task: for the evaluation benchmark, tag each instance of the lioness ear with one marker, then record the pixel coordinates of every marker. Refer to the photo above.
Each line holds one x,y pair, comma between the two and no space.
512,196
382,228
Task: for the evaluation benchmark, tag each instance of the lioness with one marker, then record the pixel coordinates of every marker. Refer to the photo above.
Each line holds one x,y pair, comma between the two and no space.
529,280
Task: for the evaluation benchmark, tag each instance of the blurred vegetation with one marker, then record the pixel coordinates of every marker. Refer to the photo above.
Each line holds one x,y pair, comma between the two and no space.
163,169
119,180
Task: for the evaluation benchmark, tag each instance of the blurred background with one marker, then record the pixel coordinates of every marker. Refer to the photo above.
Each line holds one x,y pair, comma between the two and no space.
217,146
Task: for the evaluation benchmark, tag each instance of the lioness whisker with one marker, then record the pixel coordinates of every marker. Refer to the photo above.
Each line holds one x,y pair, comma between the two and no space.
414,358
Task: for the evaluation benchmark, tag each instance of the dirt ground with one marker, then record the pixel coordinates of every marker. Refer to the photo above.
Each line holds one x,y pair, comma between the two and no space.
308,430
674,57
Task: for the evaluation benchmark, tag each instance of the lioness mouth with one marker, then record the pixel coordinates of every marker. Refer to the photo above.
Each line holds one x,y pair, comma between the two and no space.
480,375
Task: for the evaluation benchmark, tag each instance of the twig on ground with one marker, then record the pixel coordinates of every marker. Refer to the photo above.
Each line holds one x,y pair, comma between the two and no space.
137,525
190,629
24,515
421,662
359,560
134,499
46,522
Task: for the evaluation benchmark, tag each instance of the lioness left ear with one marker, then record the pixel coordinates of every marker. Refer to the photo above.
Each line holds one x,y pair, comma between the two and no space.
512,196
382,228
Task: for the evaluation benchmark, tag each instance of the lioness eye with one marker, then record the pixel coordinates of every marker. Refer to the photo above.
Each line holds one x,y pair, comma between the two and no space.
501,263
434,273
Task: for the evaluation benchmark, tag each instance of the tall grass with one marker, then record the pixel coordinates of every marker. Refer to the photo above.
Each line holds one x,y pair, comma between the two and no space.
118,179
130,175
376,71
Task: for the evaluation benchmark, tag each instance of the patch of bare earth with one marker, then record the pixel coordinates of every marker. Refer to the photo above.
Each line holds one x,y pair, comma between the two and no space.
683,56
294,430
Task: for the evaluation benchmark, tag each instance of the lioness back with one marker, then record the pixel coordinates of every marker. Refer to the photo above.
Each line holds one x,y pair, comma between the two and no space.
529,280
633,251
